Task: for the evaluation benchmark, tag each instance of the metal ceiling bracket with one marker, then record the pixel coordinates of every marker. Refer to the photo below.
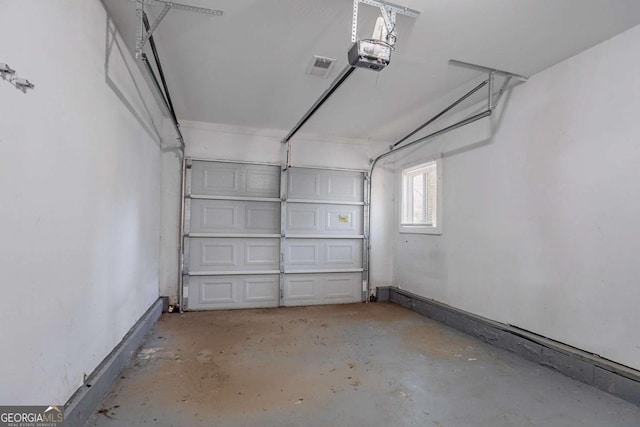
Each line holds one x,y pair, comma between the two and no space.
493,98
143,36
411,13
502,90
155,24
388,11
496,71
354,21
490,81
390,22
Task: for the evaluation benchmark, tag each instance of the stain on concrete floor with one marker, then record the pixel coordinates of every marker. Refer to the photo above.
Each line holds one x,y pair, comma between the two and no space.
344,365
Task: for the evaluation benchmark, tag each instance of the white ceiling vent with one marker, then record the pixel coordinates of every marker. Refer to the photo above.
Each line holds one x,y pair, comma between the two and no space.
320,66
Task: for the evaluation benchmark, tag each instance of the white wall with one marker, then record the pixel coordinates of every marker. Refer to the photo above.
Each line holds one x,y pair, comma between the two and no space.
223,142
170,225
80,176
541,220
382,236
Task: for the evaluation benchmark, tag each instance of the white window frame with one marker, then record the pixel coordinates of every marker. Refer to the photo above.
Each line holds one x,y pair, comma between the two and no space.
407,169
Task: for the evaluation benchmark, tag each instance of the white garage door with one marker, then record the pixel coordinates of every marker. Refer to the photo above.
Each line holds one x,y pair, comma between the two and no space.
232,249
250,242
324,237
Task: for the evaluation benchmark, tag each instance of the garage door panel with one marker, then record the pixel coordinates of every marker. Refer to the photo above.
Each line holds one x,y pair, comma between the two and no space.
233,254
220,217
327,185
343,219
303,289
263,183
263,254
301,253
348,188
216,290
322,288
341,287
302,218
241,291
343,253
218,181
309,218
261,289
303,184
234,216
323,254
234,179
215,254
323,245
263,217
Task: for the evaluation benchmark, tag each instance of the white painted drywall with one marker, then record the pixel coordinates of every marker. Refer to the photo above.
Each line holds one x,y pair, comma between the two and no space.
220,142
382,224
541,220
223,142
80,176
170,225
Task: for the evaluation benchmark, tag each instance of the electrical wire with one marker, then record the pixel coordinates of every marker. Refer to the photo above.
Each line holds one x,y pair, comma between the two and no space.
382,42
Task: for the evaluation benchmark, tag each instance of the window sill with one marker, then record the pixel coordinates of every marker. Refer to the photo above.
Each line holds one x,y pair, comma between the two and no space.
420,229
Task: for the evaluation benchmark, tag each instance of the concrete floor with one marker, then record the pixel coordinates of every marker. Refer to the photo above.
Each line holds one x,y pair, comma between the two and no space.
348,365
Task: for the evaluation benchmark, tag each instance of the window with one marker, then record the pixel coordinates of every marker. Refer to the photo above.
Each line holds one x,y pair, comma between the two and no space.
421,198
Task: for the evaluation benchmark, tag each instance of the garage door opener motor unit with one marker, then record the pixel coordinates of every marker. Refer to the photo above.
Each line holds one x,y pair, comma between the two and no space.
375,53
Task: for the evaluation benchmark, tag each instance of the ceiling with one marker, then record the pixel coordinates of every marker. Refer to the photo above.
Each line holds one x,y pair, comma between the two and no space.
247,67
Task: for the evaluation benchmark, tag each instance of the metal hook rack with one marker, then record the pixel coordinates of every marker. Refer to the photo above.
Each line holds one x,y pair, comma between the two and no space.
9,74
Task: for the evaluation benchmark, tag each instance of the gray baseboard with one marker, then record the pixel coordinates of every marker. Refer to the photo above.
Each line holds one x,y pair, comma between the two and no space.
87,398
588,368
165,304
